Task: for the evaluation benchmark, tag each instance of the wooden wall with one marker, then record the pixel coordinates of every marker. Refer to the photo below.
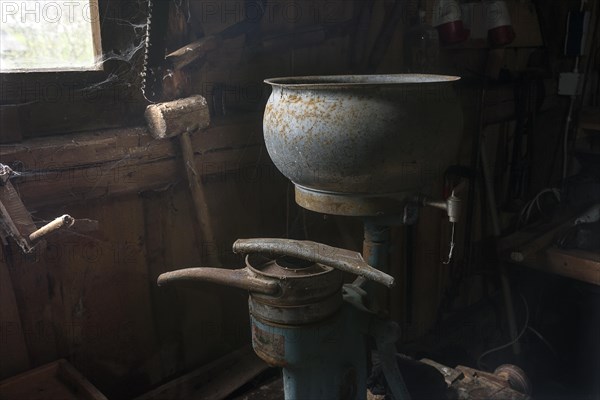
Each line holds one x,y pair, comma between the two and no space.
93,298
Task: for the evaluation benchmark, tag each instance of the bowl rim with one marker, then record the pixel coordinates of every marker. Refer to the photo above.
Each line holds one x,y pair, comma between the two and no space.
354,81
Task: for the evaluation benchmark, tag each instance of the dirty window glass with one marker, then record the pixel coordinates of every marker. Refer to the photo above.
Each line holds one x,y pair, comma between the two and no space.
49,35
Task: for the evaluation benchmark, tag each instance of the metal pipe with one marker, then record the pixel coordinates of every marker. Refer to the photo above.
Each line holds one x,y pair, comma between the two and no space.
376,247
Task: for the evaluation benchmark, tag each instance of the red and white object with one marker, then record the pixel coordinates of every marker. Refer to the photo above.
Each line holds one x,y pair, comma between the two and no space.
447,19
498,23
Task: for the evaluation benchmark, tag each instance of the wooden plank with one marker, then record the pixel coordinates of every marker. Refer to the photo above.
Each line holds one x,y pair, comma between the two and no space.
214,320
272,390
31,284
232,378
100,302
81,185
57,380
75,380
194,313
522,238
15,218
576,264
211,320
538,242
98,147
13,350
428,259
10,124
208,311
94,19
114,163
213,381
165,304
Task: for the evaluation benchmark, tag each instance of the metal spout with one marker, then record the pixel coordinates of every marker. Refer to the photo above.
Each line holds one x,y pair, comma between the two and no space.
344,260
452,206
237,278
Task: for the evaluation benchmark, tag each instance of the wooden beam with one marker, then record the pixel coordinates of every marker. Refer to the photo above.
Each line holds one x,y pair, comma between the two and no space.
87,166
214,381
576,264
94,12
524,238
13,348
32,294
166,308
194,51
57,380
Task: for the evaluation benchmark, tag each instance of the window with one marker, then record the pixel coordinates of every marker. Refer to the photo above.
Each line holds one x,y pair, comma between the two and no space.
95,86
49,35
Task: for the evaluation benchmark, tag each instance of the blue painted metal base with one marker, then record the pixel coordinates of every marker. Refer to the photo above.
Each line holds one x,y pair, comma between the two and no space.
325,361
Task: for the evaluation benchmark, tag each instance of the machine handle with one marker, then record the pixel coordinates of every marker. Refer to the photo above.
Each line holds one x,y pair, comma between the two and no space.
239,278
344,260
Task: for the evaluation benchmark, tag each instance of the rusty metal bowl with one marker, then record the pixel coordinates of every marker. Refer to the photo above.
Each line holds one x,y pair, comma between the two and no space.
340,138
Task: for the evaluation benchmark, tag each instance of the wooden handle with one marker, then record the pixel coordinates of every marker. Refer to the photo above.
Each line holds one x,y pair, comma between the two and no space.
198,196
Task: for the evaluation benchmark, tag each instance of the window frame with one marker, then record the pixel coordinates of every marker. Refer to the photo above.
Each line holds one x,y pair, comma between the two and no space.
52,102
96,38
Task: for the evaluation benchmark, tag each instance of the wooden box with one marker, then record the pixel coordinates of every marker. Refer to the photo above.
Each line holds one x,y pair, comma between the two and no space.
57,380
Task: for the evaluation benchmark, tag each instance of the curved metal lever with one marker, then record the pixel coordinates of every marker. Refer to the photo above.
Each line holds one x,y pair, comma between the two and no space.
344,260
239,278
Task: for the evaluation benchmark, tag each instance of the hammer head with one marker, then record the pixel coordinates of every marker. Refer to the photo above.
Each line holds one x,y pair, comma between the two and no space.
173,118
